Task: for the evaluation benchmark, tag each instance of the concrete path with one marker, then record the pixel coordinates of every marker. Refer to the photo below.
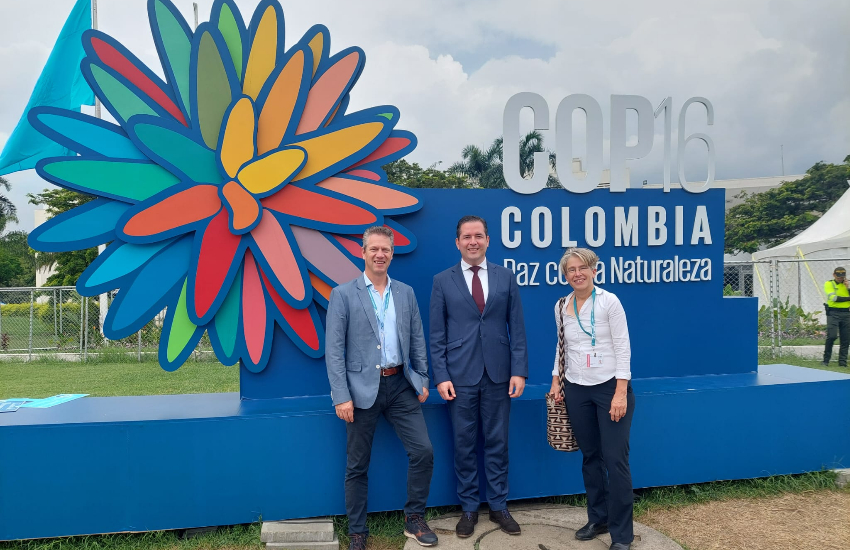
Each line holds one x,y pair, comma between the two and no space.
544,527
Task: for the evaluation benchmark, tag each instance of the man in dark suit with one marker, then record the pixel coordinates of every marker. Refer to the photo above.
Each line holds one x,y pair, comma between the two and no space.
377,366
480,362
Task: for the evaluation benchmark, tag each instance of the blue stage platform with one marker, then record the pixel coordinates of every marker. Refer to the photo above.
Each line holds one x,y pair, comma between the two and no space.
114,464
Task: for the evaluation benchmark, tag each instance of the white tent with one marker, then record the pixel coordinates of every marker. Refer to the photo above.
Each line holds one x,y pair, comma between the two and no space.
819,249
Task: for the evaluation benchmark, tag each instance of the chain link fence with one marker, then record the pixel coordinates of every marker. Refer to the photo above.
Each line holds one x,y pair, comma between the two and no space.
56,322
791,300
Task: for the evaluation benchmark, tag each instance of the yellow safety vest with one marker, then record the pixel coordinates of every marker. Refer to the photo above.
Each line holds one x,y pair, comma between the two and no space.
833,290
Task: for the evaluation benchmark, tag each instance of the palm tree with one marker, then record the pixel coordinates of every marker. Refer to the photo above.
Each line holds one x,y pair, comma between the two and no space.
483,168
8,210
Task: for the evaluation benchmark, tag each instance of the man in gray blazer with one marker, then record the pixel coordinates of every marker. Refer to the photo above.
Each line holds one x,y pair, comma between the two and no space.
377,365
480,363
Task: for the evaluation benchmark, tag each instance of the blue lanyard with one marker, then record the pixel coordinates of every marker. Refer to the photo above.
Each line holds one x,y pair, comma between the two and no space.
592,332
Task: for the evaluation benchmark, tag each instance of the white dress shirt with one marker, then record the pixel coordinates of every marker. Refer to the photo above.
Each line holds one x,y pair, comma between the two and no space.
612,340
390,346
482,274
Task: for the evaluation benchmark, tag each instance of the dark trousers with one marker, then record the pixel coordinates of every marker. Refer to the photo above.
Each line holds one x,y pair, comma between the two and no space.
397,402
837,327
486,405
604,447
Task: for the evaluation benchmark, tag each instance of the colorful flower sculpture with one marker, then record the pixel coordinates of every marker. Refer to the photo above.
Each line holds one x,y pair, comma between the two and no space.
229,193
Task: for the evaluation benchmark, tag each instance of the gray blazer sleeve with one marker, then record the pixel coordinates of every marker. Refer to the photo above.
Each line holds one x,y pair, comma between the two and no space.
418,353
336,325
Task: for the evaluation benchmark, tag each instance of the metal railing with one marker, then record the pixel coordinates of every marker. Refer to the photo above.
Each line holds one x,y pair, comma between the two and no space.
45,321
791,300
58,322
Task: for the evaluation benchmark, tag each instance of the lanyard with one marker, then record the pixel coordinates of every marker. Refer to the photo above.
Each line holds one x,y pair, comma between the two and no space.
592,332
380,316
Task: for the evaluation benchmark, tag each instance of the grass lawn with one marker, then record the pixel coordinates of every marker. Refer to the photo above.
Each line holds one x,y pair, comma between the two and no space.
101,378
765,358
111,374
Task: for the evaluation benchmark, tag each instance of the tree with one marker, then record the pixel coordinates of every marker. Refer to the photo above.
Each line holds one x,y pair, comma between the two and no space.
773,217
68,265
17,260
7,207
404,173
483,167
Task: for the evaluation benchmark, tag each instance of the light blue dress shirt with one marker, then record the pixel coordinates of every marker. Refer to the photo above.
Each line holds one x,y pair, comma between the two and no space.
390,352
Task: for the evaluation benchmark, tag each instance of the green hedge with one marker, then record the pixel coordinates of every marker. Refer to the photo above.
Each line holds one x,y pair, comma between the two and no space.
42,312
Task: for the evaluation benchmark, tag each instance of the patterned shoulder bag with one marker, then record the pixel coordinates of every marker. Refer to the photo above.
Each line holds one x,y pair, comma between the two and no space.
559,431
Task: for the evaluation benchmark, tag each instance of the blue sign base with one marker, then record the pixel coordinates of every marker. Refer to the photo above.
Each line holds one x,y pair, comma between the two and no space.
112,464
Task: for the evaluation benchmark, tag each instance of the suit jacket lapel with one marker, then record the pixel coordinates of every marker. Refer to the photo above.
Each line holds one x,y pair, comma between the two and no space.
368,309
460,281
493,281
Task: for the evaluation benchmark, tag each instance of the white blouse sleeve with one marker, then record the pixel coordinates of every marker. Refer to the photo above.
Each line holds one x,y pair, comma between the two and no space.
620,335
558,349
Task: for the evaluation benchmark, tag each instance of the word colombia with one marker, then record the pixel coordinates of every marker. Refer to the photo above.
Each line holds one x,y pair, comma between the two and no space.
629,230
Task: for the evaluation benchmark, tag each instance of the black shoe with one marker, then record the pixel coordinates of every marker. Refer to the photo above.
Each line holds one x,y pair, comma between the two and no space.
825,363
466,525
505,521
416,528
619,546
357,541
591,531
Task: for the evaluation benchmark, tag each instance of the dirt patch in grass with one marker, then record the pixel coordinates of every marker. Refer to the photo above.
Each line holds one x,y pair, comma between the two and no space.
804,520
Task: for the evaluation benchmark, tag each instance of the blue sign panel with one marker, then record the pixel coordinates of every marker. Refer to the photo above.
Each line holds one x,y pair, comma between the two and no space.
661,253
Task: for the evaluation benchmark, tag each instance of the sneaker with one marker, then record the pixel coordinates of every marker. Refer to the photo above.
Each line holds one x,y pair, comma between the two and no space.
505,521
466,525
357,541
825,363
416,528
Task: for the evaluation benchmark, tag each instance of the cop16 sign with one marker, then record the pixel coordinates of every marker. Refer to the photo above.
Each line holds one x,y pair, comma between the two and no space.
619,150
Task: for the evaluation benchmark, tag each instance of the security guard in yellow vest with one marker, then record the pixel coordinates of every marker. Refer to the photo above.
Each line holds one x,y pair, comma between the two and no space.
838,316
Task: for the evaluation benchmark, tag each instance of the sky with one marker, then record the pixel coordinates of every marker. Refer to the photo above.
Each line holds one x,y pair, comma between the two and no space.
777,72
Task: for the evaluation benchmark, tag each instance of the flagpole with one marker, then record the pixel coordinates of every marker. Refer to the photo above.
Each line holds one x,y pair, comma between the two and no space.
94,26
103,298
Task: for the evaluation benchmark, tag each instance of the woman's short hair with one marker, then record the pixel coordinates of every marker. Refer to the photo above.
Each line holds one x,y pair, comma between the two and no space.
588,257
378,230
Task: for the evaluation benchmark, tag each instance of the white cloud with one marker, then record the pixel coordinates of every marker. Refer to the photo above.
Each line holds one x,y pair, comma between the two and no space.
776,71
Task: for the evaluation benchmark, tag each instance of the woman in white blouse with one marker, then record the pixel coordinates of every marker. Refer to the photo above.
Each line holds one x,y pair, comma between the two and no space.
594,339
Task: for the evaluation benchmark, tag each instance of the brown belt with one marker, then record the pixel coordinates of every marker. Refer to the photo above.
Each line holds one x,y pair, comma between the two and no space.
391,371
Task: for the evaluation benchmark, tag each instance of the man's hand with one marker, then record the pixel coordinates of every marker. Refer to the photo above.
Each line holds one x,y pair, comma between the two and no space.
424,395
517,386
446,390
346,411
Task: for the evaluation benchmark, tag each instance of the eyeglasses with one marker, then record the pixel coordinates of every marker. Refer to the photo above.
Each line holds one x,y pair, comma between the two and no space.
582,269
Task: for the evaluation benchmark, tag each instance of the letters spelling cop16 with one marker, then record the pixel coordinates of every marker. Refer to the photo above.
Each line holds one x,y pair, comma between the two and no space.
626,224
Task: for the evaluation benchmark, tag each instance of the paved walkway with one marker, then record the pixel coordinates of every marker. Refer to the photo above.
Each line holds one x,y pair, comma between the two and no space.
544,527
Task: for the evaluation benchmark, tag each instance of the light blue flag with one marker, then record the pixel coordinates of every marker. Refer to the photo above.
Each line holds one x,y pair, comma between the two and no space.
61,84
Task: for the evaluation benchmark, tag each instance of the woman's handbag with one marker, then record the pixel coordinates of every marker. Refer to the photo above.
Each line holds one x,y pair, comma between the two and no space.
559,431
